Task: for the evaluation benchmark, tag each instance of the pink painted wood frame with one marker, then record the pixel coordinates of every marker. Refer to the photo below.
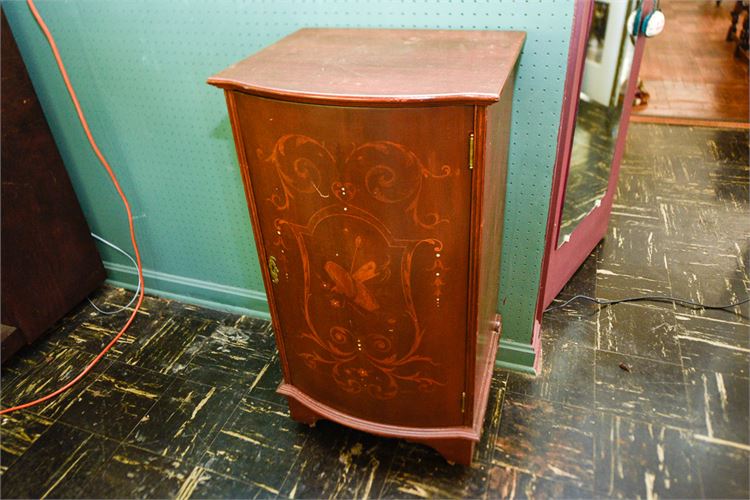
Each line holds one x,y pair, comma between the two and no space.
561,262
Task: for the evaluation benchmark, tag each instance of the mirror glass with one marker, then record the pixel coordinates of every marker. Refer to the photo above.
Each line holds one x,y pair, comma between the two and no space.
606,73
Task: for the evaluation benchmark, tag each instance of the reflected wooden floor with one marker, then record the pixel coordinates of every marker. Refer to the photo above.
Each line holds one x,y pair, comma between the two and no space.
184,406
690,70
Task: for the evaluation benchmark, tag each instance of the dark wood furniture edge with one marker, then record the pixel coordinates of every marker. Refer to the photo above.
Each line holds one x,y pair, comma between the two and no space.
255,219
455,443
480,405
361,101
456,98
464,99
476,215
11,341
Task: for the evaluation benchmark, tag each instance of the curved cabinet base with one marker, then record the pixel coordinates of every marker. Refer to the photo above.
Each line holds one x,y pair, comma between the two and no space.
455,444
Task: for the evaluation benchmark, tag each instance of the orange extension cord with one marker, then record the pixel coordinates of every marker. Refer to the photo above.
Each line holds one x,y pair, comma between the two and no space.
112,176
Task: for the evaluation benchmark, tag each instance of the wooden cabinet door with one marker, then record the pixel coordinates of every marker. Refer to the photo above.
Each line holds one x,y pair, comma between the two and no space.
363,216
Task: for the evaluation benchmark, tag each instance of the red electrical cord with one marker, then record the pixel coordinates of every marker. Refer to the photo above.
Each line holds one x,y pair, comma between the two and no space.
112,176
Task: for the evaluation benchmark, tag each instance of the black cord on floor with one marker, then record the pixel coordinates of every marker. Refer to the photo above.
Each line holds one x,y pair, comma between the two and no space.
650,298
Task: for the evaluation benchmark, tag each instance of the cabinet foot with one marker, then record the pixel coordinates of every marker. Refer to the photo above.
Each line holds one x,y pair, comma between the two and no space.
301,413
454,451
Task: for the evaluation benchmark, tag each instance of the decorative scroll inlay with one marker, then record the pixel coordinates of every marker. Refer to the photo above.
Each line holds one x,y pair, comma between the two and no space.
389,172
299,161
357,322
395,174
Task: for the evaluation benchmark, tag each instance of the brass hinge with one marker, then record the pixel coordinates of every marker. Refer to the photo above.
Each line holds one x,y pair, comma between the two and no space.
463,402
471,151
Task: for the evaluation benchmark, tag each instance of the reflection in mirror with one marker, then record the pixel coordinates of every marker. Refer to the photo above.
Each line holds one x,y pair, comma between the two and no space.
606,72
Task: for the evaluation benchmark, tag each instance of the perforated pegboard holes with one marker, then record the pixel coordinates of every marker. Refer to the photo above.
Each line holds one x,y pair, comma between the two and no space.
140,67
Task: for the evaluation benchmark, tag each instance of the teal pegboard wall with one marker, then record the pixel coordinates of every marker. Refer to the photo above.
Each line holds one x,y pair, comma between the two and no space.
139,68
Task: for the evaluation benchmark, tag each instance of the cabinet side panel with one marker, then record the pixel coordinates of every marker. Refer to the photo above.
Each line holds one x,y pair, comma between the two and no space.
364,220
493,211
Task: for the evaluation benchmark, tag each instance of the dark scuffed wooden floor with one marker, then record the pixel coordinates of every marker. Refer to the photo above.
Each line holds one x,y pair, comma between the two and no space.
185,405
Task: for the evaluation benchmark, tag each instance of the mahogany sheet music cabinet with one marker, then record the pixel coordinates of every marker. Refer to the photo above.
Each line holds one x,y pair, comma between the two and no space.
374,164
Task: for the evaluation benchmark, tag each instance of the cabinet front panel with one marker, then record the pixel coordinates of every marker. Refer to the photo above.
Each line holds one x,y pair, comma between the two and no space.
364,217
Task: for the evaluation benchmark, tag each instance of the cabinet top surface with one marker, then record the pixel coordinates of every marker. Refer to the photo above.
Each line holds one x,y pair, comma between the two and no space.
380,66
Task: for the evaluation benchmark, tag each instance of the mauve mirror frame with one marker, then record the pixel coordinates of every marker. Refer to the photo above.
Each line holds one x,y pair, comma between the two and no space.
560,263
